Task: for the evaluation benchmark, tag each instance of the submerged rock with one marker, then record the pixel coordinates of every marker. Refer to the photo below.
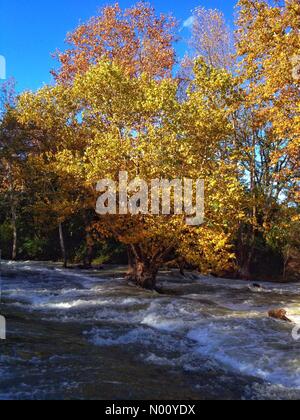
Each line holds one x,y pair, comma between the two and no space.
279,314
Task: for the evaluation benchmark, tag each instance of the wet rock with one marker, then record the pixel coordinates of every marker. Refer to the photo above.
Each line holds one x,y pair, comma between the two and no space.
279,314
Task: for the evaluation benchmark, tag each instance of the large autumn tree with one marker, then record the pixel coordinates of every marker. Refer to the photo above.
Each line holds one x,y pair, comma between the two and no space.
139,126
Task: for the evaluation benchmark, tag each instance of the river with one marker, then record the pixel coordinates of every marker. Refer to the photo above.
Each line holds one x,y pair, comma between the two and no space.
89,335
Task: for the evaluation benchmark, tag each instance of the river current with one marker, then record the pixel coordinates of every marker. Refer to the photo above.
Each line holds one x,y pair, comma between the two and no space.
73,334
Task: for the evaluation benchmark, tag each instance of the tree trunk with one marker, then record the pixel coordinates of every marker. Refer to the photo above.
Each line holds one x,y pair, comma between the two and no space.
15,234
181,265
142,271
144,275
245,251
131,260
89,254
285,264
245,272
246,267
62,245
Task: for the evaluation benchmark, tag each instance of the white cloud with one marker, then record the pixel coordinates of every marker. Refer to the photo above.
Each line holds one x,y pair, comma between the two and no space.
188,23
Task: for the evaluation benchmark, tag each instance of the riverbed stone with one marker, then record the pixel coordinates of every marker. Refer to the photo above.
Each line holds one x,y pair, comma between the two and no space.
280,314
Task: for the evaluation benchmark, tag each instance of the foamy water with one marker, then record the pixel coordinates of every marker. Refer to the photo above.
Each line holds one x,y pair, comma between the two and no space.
211,328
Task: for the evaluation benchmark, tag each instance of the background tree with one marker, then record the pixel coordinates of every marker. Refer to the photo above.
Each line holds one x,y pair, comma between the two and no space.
268,41
50,117
13,153
212,38
266,121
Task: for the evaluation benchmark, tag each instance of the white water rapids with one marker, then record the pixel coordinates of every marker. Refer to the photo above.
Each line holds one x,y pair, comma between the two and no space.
75,334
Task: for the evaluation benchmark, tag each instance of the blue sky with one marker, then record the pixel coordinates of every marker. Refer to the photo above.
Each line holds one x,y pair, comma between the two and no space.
30,30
